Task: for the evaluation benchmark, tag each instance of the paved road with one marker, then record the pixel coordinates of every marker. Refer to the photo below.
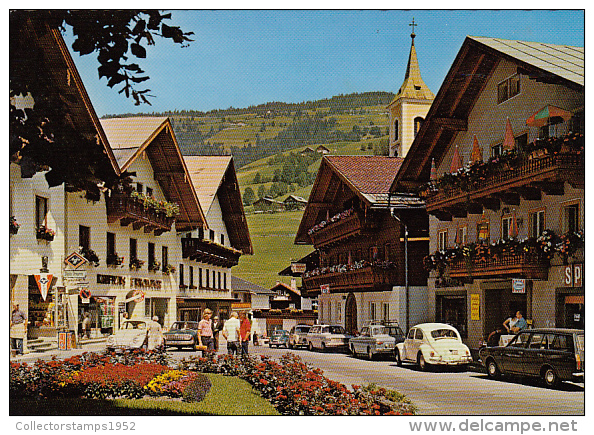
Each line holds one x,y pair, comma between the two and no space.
448,392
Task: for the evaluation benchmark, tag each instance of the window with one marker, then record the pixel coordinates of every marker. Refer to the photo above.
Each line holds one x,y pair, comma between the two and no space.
133,250
482,231
211,234
395,129
225,281
40,211
419,335
149,191
207,279
372,310
191,278
521,141
222,239
84,237
537,223
506,227
411,334
214,282
571,218
442,240
151,254
164,257
139,187
338,312
111,250
461,238
496,150
181,274
418,122
508,88
199,277
385,311
219,282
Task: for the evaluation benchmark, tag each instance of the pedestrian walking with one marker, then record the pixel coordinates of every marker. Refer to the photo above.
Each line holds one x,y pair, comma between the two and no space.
155,334
205,334
231,330
18,329
86,325
245,329
217,326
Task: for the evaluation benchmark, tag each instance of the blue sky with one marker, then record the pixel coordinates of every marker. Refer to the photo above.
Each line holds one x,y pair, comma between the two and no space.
247,57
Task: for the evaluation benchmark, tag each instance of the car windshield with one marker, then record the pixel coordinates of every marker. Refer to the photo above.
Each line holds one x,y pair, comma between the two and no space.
134,325
394,330
377,330
336,330
444,333
177,326
302,329
278,333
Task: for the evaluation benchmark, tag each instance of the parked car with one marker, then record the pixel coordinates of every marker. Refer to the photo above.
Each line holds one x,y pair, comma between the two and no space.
552,354
376,339
326,337
133,334
182,334
298,336
279,338
433,344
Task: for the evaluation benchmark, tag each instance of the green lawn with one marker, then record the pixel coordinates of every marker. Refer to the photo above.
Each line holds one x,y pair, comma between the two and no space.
227,396
272,236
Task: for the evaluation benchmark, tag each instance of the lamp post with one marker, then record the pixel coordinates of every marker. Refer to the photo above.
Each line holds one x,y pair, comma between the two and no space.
405,265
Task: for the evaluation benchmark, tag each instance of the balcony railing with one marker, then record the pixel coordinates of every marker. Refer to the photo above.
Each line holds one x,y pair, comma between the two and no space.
520,265
366,278
339,230
206,251
130,210
546,174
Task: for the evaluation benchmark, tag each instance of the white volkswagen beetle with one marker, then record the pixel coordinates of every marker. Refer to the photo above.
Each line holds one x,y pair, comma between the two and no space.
433,344
132,335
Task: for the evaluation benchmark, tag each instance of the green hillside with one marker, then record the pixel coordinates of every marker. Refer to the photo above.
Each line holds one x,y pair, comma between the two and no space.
272,238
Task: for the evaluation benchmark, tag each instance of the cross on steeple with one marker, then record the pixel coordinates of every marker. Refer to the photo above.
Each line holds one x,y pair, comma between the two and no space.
412,35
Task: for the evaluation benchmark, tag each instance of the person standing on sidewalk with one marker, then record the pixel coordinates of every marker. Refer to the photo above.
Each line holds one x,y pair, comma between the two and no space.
245,329
155,334
231,330
86,323
205,335
18,329
217,325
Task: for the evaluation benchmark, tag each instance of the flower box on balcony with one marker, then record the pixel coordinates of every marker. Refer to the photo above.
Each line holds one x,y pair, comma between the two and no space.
114,260
14,225
183,287
90,256
154,266
168,269
44,233
136,264
192,287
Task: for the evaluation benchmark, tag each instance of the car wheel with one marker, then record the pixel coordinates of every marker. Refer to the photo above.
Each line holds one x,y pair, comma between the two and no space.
492,369
370,355
270,345
353,351
290,345
310,346
423,365
550,377
397,357
178,347
323,347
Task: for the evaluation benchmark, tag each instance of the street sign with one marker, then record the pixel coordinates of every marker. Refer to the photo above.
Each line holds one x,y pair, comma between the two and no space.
518,285
75,274
75,260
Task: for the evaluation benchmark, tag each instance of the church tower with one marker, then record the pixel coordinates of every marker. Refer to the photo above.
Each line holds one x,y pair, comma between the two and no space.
409,107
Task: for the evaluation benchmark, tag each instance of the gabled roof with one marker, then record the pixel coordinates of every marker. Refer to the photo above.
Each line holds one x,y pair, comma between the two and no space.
282,286
368,177
475,63
295,198
239,284
132,137
215,175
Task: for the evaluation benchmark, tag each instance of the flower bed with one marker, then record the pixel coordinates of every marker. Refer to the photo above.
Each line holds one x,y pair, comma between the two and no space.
295,388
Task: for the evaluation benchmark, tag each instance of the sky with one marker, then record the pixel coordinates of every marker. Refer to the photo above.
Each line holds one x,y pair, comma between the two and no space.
240,58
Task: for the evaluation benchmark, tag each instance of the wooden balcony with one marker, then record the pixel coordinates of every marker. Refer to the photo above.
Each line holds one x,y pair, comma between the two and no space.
369,278
129,210
526,180
338,231
208,252
518,265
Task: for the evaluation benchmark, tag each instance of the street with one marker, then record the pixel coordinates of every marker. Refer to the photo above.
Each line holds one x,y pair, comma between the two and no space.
442,392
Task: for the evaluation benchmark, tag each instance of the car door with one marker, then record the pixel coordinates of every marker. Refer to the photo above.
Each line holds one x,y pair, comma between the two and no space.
408,344
562,355
534,354
360,341
512,355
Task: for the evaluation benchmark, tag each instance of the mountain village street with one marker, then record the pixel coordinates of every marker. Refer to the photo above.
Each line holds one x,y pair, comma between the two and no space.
444,392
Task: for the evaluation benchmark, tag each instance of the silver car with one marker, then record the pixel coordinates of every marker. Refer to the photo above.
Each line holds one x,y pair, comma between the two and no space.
375,340
298,336
326,337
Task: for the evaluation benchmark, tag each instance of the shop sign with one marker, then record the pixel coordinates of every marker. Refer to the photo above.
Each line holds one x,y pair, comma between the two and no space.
573,275
75,274
325,289
75,260
518,285
44,280
475,306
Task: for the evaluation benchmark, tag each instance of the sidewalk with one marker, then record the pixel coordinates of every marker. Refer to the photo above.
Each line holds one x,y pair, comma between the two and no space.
85,345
